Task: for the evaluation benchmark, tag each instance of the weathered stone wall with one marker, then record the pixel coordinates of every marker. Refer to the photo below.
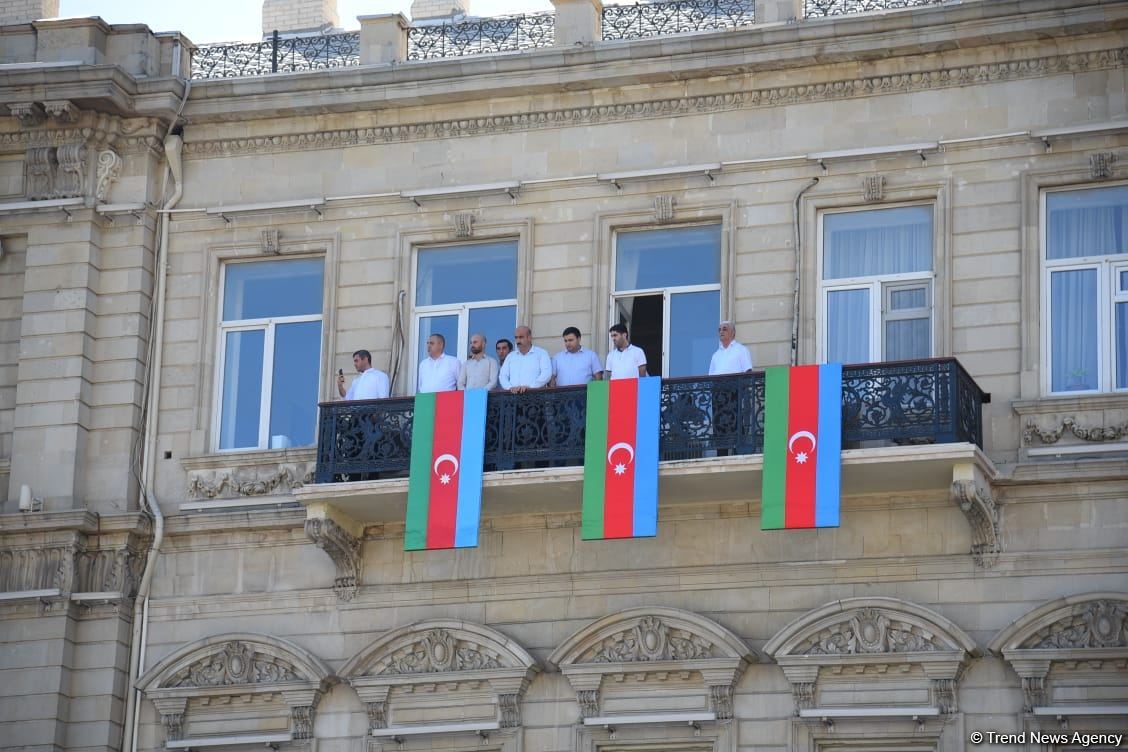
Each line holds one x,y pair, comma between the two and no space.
23,11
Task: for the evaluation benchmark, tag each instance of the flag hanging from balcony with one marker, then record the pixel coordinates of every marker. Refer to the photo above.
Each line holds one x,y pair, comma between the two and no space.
621,459
444,493
802,447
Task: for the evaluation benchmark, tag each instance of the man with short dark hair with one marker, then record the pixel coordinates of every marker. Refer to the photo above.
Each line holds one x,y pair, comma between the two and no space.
503,348
479,371
624,361
527,367
438,372
574,365
372,383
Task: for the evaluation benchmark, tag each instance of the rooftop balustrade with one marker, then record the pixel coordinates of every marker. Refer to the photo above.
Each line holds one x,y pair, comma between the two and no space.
907,402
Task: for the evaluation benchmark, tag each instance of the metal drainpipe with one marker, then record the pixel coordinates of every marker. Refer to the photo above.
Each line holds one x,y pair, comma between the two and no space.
795,293
173,145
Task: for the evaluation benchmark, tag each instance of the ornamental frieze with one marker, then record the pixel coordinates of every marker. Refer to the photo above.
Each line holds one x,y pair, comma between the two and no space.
862,86
227,483
437,651
236,663
650,640
871,631
1099,624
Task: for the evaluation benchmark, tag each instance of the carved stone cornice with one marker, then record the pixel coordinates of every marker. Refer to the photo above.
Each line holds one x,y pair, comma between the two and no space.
343,548
861,86
982,514
1094,434
255,480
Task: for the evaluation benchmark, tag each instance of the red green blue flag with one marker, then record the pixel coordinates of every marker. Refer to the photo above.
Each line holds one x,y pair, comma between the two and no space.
444,493
621,459
802,447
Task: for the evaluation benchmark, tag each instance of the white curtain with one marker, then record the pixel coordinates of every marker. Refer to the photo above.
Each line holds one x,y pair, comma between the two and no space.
847,326
1073,330
878,242
1087,223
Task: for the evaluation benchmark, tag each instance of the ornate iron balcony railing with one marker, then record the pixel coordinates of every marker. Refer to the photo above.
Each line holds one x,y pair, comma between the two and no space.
677,17
277,54
906,402
816,8
481,36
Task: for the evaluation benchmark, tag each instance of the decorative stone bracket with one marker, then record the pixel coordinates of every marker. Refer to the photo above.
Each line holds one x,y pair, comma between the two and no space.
343,548
971,492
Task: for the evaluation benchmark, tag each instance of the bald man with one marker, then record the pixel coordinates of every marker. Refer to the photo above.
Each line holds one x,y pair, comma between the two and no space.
527,367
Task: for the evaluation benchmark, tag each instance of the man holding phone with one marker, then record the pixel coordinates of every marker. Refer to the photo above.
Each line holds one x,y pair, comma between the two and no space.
372,383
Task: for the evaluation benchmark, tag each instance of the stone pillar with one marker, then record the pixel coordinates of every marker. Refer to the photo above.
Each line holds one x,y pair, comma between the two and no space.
578,22
289,16
422,10
778,11
26,11
383,38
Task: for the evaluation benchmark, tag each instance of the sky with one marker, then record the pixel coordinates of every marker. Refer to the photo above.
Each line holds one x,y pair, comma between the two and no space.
207,21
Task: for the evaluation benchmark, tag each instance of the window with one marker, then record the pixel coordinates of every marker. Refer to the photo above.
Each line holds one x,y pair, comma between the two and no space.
464,289
668,293
269,353
1086,284
877,285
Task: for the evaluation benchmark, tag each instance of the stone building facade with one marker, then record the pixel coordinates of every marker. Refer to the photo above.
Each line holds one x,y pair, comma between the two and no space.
186,264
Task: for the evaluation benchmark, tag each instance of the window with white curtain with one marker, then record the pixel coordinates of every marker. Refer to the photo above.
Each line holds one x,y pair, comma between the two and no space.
876,284
269,354
1085,283
668,293
464,289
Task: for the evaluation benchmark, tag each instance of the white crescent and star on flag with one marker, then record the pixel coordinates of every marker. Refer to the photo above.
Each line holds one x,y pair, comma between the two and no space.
620,467
445,478
801,456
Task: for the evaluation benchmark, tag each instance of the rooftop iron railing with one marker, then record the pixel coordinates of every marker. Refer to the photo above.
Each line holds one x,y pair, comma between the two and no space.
676,17
480,36
277,54
817,8
906,402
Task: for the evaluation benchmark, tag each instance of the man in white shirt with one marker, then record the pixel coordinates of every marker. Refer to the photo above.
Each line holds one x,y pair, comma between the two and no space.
731,356
438,372
372,383
624,361
479,371
574,366
527,367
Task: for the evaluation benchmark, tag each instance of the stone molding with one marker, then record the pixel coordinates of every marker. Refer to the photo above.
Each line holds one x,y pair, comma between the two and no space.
343,548
463,661
978,505
262,480
868,636
652,645
1069,424
238,664
1068,637
862,86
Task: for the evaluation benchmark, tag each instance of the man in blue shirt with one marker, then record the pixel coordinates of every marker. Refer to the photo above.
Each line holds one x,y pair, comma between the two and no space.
575,365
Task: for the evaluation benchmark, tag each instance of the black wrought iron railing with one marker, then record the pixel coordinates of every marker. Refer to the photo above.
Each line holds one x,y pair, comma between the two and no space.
676,17
480,36
906,402
817,8
277,54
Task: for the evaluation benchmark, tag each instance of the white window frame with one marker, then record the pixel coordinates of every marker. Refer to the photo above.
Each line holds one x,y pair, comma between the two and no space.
267,382
1107,267
879,286
462,310
666,292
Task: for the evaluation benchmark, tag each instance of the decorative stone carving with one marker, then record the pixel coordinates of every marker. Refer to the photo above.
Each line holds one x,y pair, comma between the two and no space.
40,166
29,114
61,110
1033,692
110,571
301,721
38,568
1052,435
804,694
909,81
377,714
343,549
509,710
1101,164
236,663
588,700
437,651
1099,624
873,187
983,516
174,725
109,167
651,640
269,239
664,208
944,695
870,631
249,481
464,224
720,700
71,174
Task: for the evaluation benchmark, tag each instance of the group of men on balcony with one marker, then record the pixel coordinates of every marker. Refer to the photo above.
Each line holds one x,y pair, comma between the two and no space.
528,367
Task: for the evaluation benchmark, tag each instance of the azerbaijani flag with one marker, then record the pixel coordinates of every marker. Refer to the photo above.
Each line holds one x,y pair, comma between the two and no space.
621,459
444,493
802,447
